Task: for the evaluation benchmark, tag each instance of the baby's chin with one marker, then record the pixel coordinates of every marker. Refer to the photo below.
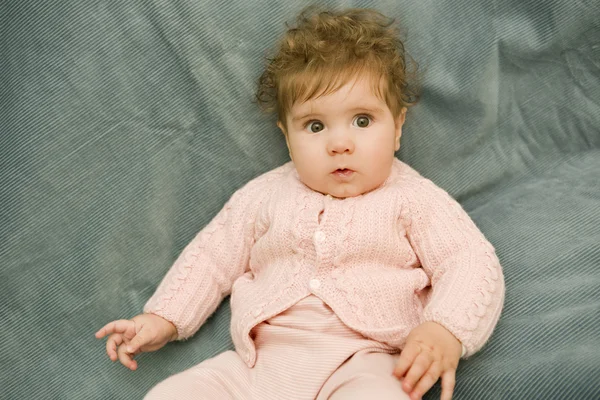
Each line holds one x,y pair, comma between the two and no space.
343,191
354,189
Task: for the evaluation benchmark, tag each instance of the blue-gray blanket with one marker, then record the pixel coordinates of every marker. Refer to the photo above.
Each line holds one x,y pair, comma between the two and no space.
126,125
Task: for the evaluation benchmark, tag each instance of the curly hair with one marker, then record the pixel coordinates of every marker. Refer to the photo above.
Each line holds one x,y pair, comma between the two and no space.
327,49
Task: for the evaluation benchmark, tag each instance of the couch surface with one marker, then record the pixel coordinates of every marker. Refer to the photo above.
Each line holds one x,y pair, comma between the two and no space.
126,125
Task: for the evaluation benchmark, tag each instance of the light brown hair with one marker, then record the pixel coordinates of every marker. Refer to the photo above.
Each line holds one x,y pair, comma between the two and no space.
326,49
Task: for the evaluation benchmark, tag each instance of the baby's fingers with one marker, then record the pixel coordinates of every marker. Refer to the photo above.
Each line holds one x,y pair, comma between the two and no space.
407,357
427,381
422,363
141,338
119,326
127,358
448,381
114,341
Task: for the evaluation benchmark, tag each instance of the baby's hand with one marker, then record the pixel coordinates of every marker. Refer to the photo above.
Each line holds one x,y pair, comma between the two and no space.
142,333
431,351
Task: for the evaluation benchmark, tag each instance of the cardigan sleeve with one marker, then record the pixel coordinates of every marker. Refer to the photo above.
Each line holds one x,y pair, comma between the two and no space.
203,274
467,284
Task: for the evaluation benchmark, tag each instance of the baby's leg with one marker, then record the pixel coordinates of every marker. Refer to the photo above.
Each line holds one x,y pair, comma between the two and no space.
366,375
222,377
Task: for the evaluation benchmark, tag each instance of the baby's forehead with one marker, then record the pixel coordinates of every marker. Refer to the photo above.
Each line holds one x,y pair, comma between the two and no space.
353,95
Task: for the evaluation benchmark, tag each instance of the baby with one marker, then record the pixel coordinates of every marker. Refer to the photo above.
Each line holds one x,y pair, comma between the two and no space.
351,276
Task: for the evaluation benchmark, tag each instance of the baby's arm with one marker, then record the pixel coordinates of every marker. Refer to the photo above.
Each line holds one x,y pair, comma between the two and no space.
467,286
204,272
200,278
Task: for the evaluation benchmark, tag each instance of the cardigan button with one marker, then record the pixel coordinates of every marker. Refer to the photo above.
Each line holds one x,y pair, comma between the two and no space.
314,284
319,236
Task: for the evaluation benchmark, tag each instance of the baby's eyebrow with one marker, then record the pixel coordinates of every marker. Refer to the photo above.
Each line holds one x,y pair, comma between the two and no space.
372,110
303,116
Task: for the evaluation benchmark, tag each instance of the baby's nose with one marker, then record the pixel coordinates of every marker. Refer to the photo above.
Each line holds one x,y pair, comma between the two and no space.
340,144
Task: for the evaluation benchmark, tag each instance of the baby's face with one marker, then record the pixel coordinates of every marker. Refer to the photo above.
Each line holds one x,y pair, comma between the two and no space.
343,143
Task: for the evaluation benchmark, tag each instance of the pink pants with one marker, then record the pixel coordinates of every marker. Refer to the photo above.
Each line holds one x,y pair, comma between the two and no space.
305,352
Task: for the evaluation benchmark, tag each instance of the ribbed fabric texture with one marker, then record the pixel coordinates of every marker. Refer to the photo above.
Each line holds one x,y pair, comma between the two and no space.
385,261
126,125
300,352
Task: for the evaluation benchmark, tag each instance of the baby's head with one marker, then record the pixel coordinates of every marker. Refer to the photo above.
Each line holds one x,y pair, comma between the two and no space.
339,84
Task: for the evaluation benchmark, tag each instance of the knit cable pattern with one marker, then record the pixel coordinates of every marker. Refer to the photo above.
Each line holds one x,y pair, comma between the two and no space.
384,261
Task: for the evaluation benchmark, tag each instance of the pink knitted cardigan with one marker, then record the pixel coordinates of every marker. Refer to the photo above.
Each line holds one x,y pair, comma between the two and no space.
385,261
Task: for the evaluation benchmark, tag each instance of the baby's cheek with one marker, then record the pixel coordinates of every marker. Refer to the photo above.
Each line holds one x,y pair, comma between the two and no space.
313,176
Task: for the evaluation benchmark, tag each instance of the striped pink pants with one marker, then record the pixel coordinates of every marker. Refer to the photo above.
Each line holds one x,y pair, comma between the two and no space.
305,352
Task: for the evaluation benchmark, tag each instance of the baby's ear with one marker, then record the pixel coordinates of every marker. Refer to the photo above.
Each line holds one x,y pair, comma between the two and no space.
282,127
401,117
287,141
399,122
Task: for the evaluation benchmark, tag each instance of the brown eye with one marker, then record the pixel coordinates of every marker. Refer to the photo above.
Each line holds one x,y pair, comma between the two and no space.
362,121
315,126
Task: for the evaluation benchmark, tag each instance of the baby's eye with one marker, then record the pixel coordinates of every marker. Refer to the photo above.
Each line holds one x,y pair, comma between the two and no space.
315,126
362,121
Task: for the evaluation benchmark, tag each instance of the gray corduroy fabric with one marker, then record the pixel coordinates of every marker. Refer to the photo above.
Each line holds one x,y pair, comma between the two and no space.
126,125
